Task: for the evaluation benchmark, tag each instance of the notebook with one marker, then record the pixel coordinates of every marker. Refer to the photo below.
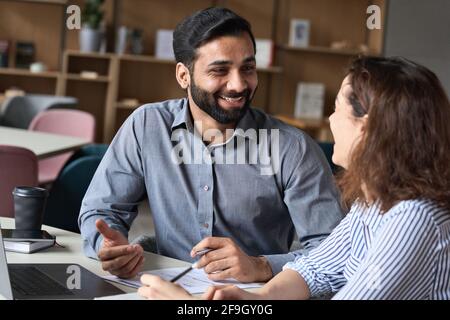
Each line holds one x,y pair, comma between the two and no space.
28,246
25,241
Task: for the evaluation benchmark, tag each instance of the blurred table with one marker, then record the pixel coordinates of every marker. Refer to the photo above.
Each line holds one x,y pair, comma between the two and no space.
44,145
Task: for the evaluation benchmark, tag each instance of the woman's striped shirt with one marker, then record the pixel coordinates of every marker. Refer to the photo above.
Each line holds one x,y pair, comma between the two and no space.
402,254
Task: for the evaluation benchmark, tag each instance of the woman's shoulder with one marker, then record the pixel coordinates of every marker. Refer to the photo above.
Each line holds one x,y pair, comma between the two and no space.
420,209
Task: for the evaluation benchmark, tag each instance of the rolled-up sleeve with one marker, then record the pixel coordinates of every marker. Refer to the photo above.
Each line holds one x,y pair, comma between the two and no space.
323,268
116,188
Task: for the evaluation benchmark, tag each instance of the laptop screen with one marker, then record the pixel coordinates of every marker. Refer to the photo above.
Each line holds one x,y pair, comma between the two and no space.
5,284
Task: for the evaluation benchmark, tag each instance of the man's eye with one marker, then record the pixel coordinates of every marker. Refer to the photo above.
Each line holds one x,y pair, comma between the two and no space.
249,68
219,71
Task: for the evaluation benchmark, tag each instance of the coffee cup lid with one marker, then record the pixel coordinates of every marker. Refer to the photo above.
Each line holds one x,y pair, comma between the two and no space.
30,192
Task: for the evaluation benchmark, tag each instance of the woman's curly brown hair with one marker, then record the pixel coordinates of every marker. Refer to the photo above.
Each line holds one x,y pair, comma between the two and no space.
405,148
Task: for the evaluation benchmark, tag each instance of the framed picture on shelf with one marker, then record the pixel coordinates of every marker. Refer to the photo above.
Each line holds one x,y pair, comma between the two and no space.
309,101
299,33
163,46
264,53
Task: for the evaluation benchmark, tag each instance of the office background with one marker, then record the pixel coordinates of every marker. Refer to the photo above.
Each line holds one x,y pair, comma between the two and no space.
110,86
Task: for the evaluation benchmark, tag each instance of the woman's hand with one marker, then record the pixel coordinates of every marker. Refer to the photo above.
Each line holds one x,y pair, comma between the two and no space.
155,288
230,293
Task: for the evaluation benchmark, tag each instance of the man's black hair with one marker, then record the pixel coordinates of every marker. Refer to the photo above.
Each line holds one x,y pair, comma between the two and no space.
203,27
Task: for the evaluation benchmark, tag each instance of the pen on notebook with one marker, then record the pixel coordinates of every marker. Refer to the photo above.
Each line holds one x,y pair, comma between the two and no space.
193,266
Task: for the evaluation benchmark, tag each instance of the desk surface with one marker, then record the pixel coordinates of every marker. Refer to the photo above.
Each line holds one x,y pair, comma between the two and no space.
44,145
72,253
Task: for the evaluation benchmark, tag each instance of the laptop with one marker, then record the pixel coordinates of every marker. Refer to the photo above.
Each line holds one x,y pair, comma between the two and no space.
50,281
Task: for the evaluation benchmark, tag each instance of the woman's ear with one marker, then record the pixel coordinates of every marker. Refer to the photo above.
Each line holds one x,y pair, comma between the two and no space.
364,120
183,76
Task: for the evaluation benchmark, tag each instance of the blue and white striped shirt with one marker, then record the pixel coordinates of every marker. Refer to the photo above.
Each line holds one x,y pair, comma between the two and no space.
403,254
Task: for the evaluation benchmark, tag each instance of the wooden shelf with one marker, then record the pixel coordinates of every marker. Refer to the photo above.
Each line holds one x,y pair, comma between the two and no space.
303,123
143,58
319,129
99,55
121,105
77,77
28,73
325,50
61,2
270,70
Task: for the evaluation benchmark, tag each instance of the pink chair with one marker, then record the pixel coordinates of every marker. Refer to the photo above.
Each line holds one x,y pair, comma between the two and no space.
73,123
18,167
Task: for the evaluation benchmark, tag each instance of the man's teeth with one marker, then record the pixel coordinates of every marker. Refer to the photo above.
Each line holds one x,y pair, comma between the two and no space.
232,99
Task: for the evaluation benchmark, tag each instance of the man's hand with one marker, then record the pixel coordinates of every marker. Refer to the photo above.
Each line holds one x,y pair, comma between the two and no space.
226,260
156,288
118,257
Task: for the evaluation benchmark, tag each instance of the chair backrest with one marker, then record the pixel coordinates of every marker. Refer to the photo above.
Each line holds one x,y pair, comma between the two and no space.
18,167
74,123
67,192
67,122
94,149
19,111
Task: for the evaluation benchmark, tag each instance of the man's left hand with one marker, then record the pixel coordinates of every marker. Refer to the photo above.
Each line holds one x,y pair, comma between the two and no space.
226,260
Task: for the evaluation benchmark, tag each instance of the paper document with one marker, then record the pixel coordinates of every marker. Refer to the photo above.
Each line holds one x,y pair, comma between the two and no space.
126,296
194,282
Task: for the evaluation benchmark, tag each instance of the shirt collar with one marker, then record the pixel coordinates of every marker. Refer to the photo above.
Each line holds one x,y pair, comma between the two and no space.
247,122
183,118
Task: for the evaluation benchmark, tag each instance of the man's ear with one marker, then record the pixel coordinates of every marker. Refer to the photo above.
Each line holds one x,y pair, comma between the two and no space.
183,76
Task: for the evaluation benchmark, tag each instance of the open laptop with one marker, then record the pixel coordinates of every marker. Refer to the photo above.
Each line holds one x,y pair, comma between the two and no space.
49,281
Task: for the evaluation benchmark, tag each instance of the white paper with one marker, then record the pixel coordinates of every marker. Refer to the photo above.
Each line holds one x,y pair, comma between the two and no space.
309,101
264,50
126,296
164,46
196,281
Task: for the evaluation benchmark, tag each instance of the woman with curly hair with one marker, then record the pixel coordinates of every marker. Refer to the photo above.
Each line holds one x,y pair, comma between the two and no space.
392,137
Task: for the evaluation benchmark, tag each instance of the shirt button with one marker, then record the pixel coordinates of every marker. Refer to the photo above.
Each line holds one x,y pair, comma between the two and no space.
206,225
206,188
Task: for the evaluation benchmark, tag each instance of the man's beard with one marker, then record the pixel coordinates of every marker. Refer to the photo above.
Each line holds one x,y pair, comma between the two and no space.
209,103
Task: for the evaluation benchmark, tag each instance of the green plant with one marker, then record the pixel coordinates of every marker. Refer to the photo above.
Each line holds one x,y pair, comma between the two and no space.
92,14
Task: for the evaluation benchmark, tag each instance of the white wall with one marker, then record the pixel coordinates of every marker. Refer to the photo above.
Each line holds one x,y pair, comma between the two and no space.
420,31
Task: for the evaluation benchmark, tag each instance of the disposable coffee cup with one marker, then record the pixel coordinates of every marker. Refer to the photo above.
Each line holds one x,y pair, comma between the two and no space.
29,204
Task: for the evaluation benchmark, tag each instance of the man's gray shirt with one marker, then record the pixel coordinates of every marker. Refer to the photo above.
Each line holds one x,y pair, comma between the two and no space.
198,197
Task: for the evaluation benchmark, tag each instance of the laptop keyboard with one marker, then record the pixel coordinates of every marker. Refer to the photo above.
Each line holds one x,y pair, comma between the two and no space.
30,281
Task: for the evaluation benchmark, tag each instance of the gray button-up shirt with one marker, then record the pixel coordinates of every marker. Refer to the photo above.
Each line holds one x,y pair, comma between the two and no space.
203,193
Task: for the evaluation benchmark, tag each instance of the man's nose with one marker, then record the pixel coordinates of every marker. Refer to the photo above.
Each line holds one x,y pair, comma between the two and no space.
236,82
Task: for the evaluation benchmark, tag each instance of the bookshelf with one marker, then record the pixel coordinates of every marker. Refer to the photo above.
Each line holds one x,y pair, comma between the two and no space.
42,82
124,82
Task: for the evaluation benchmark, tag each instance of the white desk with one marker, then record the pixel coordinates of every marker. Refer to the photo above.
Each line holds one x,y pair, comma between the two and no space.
72,253
44,145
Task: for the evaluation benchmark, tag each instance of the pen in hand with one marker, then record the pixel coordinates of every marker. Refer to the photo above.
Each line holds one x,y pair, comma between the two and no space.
193,266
